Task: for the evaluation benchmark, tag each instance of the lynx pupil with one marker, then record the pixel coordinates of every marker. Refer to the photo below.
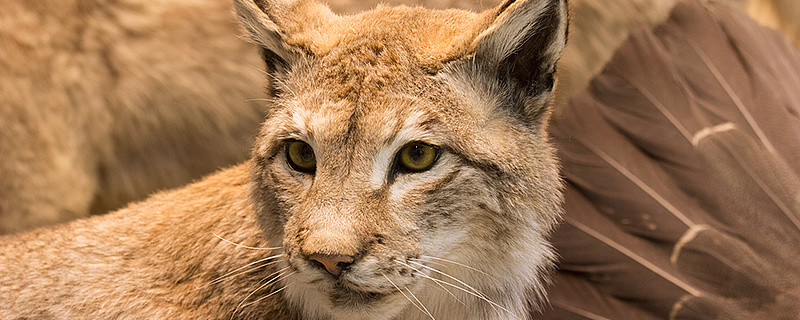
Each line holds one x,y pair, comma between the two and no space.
417,156
301,156
306,154
416,153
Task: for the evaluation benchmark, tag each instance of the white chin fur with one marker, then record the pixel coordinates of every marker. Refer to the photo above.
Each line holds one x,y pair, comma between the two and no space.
316,305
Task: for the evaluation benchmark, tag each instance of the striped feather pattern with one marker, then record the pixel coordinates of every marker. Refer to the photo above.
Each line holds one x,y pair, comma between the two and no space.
682,160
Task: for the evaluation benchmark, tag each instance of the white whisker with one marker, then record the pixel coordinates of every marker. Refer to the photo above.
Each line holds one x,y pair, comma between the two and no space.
237,272
493,304
244,246
461,265
271,294
401,292
420,302
277,275
475,292
444,274
422,274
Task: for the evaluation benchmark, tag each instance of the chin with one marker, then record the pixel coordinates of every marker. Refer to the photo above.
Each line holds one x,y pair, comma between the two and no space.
329,299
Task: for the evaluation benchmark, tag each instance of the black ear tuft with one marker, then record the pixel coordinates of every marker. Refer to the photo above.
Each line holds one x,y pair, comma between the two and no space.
532,66
275,67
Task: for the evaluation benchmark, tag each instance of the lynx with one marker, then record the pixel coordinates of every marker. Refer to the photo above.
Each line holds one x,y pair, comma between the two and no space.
403,172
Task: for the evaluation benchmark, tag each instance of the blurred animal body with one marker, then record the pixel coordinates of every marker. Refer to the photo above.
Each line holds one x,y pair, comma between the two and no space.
103,102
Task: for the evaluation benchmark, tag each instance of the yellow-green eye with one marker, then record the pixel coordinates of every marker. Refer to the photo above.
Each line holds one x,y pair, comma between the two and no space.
301,156
417,156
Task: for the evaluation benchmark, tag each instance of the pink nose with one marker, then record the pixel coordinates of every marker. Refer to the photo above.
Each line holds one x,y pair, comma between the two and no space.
334,263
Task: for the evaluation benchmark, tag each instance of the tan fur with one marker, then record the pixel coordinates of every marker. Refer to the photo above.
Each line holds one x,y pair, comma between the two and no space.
154,260
103,102
357,91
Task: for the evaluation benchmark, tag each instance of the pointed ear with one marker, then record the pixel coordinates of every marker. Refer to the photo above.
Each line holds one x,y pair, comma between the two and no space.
266,23
520,49
263,31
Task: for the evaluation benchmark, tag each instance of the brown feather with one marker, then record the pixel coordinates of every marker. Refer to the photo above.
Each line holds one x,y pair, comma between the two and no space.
579,299
682,159
593,246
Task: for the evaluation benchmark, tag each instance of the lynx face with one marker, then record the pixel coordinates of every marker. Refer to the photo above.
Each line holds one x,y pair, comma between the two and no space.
404,166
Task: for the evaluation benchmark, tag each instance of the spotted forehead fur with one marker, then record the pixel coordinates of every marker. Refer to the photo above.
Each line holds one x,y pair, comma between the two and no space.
348,69
375,113
376,81
432,37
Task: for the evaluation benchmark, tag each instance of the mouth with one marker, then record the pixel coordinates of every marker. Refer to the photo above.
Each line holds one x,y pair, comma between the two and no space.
343,296
346,294
347,303
363,291
360,289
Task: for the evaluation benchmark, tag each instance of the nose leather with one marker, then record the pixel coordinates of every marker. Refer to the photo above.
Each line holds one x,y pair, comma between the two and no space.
334,263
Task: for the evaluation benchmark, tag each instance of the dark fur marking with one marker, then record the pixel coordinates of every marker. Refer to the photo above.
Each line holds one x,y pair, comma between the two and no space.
528,72
430,124
378,238
443,182
489,168
275,67
505,5
529,59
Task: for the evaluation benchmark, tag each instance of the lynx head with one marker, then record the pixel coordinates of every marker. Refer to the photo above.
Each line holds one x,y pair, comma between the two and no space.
404,166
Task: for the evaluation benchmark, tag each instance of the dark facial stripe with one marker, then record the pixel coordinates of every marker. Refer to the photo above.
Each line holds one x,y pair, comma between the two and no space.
491,169
443,182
